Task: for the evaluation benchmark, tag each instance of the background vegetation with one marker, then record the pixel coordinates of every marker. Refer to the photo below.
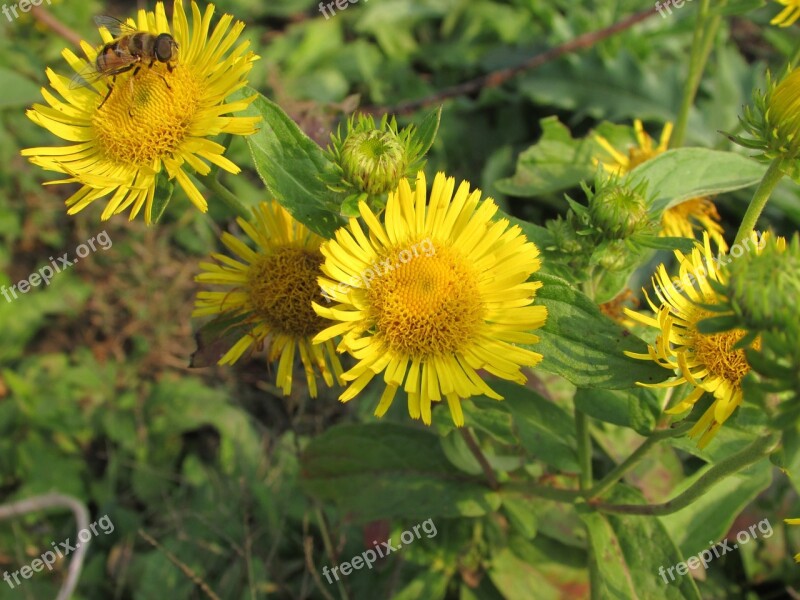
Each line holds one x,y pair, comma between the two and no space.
97,398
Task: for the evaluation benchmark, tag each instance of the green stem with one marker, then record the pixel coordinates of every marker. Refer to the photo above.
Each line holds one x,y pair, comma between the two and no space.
771,178
584,448
326,541
733,464
473,446
705,31
634,459
227,196
525,488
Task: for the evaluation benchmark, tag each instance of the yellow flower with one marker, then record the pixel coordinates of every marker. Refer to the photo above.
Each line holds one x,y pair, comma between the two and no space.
694,216
272,289
793,522
683,220
788,15
431,296
707,362
155,120
622,164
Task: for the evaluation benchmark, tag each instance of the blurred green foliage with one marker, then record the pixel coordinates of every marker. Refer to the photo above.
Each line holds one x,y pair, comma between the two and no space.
96,399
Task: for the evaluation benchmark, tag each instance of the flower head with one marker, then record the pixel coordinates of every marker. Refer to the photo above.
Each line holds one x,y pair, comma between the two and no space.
621,164
271,289
788,15
157,118
431,296
707,362
683,220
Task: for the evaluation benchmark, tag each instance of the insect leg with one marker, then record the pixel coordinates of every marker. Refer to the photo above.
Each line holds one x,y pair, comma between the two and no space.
110,88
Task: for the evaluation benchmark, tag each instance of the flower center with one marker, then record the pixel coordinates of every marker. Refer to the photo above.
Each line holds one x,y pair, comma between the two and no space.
282,286
428,306
148,115
716,352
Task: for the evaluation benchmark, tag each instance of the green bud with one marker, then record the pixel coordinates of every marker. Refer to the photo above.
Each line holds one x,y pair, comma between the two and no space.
613,255
564,237
772,123
369,161
618,210
764,285
373,161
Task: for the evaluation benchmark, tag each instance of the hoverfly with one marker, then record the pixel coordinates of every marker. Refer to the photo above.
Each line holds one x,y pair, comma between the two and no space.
130,49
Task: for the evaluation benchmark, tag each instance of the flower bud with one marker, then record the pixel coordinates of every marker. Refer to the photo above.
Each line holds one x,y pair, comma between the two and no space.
619,211
764,284
373,161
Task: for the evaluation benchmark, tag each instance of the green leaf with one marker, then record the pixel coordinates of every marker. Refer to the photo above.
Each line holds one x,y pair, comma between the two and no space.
556,162
685,245
546,431
637,409
426,131
18,91
541,568
584,346
431,585
630,550
161,197
385,470
290,164
678,175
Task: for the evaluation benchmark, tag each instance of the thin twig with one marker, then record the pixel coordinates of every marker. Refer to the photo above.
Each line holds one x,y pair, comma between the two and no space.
46,502
186,569
479,456
46,18
496,78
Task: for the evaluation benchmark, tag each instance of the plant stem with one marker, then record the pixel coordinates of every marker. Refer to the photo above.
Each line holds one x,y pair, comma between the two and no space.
744,458
629,463
326,541
228,197
473,446
584,448
771,178
705,31
525,488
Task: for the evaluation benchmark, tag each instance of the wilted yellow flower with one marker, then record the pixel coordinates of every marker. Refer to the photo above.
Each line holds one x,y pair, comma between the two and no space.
708,362
157,120
683,220
431,296
788,15
272,288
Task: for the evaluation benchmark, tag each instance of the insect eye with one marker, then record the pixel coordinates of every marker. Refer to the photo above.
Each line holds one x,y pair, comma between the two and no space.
164,48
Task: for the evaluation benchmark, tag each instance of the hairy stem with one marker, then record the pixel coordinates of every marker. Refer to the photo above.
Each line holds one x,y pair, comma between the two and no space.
733,464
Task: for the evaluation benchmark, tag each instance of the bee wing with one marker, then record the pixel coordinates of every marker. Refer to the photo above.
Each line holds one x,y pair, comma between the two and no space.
91,74
115,27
